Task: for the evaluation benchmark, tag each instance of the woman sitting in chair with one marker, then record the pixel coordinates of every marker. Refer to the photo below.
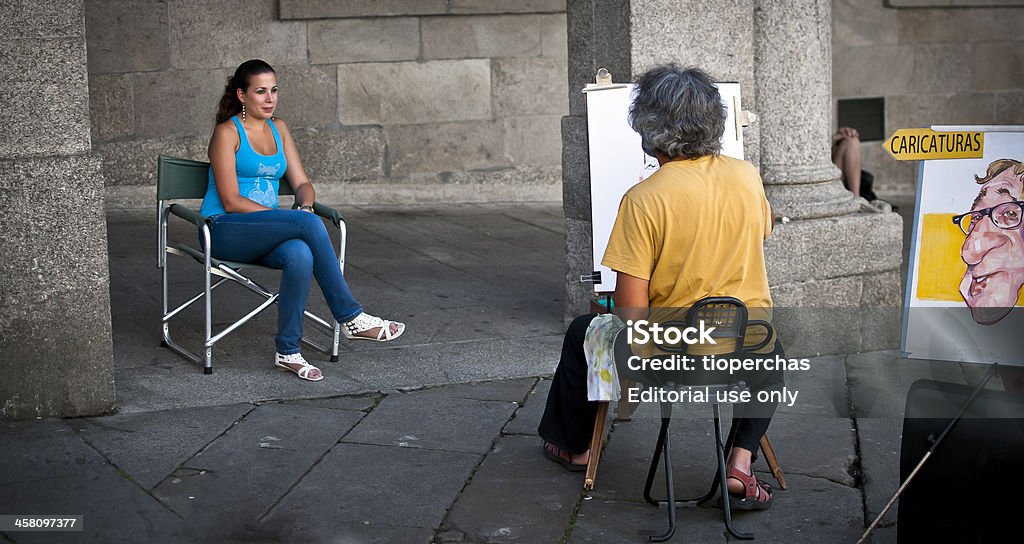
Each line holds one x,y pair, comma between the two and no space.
250,152
694,229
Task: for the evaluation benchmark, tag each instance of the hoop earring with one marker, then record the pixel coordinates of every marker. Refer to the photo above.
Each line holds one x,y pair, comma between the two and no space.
243,112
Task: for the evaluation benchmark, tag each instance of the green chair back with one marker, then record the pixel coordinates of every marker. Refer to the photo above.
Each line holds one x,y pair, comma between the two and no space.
181,178
184,178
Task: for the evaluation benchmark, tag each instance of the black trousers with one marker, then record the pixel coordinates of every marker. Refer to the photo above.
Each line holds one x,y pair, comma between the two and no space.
568,420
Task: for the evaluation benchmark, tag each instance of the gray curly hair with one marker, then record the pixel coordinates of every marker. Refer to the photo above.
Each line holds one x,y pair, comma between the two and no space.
678,112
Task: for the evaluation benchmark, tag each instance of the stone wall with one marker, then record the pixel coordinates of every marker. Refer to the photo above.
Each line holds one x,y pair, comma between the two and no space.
55,338
934,66
390,101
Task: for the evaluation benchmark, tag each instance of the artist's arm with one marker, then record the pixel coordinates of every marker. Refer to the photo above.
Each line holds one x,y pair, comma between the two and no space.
295,174
222,149
631,297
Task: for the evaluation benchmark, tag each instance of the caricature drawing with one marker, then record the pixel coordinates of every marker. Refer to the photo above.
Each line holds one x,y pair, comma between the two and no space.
993,247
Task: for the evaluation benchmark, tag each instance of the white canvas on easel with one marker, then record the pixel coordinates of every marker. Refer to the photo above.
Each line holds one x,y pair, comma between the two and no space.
617,162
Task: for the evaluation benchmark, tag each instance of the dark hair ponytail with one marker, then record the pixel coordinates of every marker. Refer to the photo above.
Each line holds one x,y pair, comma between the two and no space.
229,104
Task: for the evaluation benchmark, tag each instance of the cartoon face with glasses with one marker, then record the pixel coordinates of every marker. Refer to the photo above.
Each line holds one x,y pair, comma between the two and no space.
994,245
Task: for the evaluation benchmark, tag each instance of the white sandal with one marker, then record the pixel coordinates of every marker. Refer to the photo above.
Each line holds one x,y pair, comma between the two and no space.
364,322
284,362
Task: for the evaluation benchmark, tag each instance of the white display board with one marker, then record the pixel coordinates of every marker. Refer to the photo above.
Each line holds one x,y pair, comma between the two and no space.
617,162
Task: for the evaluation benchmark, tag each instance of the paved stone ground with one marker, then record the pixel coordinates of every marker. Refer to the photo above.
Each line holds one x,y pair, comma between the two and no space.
432,439
481,288
456,463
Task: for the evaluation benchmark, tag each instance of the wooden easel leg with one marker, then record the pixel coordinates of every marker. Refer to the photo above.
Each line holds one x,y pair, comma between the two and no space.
773,462
596,440
625,409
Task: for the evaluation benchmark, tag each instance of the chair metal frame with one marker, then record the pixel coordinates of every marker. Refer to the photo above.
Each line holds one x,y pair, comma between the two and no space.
730,318
180,179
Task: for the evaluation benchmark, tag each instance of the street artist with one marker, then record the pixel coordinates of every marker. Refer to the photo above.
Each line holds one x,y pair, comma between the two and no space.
693,229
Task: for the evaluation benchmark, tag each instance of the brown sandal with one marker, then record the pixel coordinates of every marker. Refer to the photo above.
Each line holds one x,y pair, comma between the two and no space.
562,457
757,494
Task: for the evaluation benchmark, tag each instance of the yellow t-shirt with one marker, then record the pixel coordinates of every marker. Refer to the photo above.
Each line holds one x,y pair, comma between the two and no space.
694,229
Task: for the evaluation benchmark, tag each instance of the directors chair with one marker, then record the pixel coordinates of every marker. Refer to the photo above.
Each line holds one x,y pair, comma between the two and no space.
179,179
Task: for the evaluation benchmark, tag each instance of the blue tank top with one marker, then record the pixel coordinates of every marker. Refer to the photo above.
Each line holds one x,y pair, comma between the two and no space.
259,176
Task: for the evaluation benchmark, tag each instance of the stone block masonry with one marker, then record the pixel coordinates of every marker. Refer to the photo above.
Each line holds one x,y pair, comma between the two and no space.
364,40
936,65
223,33
141,23
443,90
414,92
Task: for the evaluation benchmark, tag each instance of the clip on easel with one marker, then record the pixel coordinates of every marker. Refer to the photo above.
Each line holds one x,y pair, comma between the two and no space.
949,426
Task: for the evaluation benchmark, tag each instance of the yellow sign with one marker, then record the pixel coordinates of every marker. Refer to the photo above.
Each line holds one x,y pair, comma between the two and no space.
924,144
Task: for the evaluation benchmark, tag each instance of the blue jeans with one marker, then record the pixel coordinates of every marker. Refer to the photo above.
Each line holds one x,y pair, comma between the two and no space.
297,243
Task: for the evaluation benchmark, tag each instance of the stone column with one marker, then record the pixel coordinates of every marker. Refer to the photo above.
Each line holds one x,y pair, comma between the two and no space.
834,268
793,75
836,252
598,37
55,339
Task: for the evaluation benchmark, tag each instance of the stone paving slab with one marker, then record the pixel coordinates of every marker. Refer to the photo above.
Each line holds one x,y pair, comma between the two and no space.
879,381
49,448
149,446
814,510
361,403
49,469
178,383
519,318
431,420
630,447
879,441
527,417
820,512
114,509
600,521
243,473
516,473
439,285
181,384
481,319
325,529
442,364
503,390
548,218
479,233
376,486
466,248
546,228
515,496
834,452
626,459
821,390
